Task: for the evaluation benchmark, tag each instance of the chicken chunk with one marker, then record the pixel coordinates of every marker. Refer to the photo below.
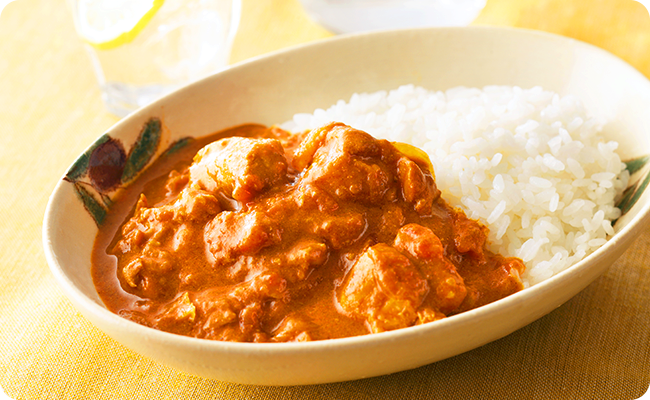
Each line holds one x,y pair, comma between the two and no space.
231,234
502,277
342,229
237,315
447,286
469,235
345,162
195,205
239,167
178,316
384,288
418,188
303,257
293,329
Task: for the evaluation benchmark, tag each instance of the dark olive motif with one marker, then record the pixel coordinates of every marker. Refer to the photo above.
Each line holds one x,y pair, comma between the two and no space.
106,165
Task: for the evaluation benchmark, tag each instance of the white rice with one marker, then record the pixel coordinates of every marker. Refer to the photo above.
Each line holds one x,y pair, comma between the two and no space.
530,164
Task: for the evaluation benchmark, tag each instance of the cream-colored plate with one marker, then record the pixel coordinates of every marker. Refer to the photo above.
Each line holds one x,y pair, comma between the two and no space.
270,90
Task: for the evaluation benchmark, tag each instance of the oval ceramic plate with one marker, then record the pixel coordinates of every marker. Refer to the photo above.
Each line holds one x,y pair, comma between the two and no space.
270,90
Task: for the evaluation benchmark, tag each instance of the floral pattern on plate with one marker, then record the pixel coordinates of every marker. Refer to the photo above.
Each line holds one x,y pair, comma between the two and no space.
106,166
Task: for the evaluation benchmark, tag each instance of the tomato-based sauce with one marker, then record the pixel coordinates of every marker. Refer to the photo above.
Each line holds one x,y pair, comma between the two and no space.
259,235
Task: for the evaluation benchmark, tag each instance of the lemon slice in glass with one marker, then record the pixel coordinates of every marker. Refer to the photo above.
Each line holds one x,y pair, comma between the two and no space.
107,24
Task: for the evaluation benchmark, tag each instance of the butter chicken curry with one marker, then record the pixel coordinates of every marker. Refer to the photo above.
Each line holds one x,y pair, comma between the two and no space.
266,236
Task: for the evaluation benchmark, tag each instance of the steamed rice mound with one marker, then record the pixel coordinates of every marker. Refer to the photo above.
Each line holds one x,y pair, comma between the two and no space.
528,163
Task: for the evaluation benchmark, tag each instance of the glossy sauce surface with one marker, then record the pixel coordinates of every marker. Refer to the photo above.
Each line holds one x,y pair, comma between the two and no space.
265,236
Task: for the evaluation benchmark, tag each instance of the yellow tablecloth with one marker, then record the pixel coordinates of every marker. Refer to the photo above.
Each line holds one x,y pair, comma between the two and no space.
596,346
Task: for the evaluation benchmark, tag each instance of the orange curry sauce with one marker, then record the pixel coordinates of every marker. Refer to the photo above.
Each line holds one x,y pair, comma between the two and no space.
265,236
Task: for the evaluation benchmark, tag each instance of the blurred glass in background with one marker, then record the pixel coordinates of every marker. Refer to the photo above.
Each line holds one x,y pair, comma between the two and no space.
143,49
344,16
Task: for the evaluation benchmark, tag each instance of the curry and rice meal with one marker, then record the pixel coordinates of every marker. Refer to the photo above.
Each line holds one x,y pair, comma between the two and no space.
317,230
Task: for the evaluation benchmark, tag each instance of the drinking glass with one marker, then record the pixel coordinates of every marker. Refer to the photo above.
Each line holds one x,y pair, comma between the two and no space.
143,49
343,16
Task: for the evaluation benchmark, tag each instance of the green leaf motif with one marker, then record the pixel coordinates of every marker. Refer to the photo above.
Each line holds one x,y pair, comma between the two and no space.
636,164
627,195
177,145
631,198
80,166
93,199
90,204
633,193
143,149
